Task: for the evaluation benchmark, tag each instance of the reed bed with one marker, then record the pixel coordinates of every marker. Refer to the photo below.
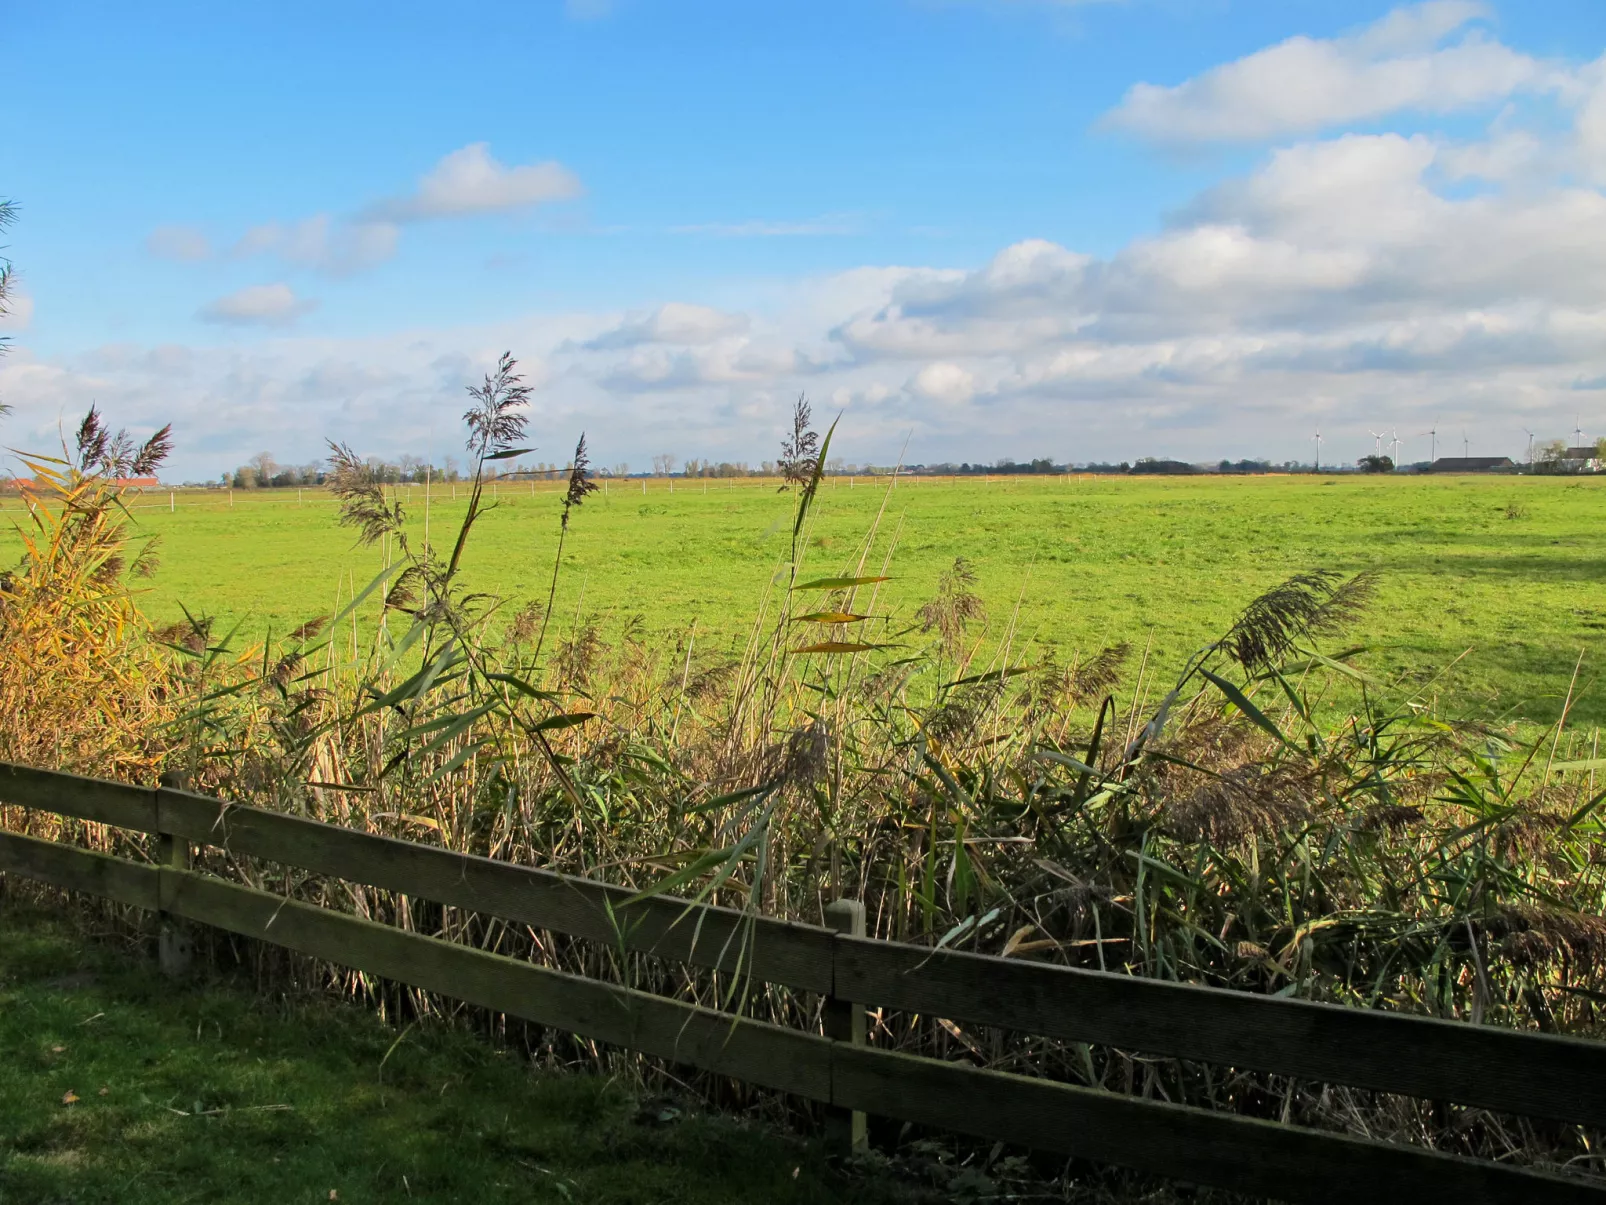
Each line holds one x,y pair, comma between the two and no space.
1273,820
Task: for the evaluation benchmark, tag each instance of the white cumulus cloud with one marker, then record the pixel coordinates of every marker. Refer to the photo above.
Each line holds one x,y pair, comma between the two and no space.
257,305
1305,84
471,181
943,382
465,182
676,322
323,244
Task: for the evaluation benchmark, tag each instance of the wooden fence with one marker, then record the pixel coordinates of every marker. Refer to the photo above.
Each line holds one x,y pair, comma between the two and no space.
1504,1071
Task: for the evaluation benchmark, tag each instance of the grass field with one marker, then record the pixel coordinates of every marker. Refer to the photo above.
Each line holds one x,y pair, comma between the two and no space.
118,1086
1503,573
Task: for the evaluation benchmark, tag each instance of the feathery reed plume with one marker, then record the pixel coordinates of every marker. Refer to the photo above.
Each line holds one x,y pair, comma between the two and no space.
191,634
310,629
360,497
577,657
113,454
525,623
1307,604
402,593
1391,817
495,421
92,440
955,606
957,714
800,451
1247,801
1537,935
500,410
1078,684
580,483
152,453
1093,680
803,463
148,560
805,756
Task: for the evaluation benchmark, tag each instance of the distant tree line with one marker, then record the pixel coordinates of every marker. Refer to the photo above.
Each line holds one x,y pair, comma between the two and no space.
264,471
1003,467
1169,468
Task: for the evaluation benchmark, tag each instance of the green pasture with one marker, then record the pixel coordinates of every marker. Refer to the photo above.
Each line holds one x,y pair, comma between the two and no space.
1501,575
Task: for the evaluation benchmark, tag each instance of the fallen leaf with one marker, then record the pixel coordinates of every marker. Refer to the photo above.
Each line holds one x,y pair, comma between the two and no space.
795,1171
105,1091
69,1097
57,1049
334,1195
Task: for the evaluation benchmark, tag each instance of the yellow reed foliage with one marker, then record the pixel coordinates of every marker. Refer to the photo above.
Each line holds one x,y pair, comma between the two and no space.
80,678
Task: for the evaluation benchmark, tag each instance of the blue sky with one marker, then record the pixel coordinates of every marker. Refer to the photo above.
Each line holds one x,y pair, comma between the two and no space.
996,227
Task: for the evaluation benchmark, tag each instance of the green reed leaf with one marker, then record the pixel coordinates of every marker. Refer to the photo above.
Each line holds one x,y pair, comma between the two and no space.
839,583
1241,701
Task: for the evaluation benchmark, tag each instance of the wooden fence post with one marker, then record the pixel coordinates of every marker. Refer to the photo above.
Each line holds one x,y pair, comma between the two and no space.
174,946
845,1129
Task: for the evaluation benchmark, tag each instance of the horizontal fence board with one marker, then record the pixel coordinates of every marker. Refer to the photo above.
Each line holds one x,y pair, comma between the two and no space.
1194,1145
1505,1070
112,803
769,950
754,1051
79,870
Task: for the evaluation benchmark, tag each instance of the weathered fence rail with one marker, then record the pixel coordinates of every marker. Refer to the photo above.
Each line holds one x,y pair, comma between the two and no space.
1510,1072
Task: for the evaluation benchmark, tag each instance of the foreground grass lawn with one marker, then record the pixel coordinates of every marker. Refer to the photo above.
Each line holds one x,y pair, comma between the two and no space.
117,1086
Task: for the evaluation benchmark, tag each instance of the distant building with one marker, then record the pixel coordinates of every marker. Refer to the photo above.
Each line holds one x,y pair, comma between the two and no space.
1472,464
1582,460
38,484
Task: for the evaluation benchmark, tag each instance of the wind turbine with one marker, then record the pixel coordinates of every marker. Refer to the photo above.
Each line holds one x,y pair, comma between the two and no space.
1318,438
1466,444
1433,442
1394,447
1530,436
1377,442
1578,434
